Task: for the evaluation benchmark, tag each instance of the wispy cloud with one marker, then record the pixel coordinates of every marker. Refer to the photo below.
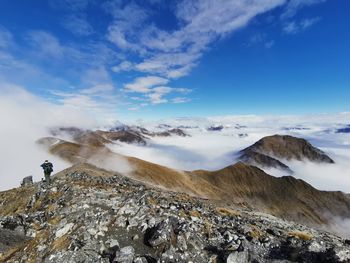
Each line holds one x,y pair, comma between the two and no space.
76,19
260,39
78,25
5,38
294,27
171,54
144,84
134,44
293,7
180,100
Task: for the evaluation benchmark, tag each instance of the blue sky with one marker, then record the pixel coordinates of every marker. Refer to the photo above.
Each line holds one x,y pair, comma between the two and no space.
157,59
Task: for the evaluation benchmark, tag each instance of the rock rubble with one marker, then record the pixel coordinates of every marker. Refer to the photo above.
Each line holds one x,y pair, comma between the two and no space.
86,218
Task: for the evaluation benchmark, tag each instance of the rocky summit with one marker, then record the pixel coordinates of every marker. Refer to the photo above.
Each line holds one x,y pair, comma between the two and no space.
271,151
91,215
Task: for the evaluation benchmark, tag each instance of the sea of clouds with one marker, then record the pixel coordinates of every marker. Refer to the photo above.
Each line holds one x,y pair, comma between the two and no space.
212,150
25,118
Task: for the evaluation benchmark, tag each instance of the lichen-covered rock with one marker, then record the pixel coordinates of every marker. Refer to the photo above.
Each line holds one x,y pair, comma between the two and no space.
27,181
82,217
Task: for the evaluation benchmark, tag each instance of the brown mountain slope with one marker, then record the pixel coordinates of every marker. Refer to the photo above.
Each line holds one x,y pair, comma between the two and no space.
285,197
289,148
143,171
269,151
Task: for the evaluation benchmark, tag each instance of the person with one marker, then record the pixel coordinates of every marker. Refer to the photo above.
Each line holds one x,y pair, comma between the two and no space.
48,169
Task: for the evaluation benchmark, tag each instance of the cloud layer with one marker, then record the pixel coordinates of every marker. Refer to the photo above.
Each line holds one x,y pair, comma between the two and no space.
24,119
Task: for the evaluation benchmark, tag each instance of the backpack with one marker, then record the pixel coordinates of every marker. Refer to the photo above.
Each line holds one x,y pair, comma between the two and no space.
48,168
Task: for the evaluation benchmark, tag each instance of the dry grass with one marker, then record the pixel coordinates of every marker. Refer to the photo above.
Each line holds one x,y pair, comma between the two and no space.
61,243
54,220
300,235
194,213
227,211
15,201
255,232
207,228
7,255
152,201
182,213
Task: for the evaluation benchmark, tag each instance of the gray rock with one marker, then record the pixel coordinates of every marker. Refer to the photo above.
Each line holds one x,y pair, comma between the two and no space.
125,255
158,234
140,260
237,257
27,181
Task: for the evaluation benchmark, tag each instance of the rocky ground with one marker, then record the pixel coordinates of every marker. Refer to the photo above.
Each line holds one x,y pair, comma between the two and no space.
86,216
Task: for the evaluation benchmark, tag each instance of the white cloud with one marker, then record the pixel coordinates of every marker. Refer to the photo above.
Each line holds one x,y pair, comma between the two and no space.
72,5
220,148
24,119
294,27
180,100
78,25
123,66
144,84
152,91
6,38
260,39
46,44
128,19
294,5
269,44
98,89
96,76
157,94
174,54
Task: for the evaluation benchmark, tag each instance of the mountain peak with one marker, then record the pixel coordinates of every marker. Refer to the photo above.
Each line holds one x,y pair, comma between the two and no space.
271,151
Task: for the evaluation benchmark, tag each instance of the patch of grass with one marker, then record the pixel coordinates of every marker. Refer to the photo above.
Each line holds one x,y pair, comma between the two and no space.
61,243
227,211
194,213
152,201
255,232
207,228
7,255
182,213
54,220
300,235
15,201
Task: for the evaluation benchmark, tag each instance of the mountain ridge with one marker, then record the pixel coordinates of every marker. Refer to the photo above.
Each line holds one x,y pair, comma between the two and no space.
240,183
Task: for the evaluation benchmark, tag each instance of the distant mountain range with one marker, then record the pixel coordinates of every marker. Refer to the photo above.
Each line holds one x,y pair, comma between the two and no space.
240,183
109,207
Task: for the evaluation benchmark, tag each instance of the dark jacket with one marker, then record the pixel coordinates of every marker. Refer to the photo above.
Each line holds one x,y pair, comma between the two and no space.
48,167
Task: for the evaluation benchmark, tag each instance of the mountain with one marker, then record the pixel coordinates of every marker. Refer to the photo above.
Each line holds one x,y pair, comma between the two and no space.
252,157
122,133
344,130
93,215
285,197
270,151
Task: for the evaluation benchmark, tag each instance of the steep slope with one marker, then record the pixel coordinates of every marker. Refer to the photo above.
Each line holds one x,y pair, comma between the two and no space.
144,171
92,215
123,136
285,197
271,150
249,156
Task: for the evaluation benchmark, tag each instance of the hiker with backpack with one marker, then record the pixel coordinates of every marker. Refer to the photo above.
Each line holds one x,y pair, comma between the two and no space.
48,169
